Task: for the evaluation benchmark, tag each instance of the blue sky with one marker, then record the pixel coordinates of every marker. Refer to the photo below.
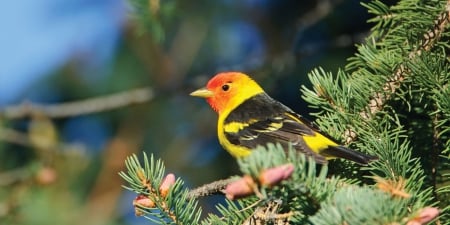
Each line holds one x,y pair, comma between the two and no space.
40,36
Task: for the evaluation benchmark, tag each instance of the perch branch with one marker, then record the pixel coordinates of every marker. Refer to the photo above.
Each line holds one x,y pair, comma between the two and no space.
211,188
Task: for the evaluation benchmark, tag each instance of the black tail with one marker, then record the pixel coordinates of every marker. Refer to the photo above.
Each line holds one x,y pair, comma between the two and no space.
349,154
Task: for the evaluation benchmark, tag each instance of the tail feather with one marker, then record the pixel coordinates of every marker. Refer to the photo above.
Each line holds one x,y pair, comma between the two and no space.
349,154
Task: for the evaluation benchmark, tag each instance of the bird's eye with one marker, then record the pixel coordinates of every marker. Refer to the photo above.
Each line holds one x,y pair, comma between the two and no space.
225,87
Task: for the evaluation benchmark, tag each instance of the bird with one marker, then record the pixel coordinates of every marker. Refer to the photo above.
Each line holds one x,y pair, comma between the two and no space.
248,117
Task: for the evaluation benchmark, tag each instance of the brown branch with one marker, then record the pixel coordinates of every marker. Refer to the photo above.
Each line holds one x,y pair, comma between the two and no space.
430,37
323,8
215,187
379,99
23,139
92,105
15,137
17,175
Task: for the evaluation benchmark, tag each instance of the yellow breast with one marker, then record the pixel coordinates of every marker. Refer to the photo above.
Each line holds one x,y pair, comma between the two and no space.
235,150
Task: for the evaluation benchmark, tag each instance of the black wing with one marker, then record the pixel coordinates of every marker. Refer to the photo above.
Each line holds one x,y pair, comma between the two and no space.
268,121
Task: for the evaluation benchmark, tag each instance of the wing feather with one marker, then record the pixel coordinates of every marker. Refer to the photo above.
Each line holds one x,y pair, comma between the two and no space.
263,120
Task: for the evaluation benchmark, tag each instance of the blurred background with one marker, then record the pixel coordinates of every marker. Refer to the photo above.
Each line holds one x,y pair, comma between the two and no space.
86,83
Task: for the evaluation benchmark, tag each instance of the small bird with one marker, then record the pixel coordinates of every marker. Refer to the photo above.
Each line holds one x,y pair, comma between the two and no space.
249,117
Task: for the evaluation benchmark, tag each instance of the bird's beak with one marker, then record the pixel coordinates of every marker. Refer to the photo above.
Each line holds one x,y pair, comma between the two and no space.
202,93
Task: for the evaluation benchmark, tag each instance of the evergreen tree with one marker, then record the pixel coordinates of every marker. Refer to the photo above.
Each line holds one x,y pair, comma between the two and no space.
392,100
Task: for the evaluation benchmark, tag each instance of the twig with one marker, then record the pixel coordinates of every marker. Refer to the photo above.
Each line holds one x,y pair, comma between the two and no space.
15,137
269,214
378,99
13,176
322,9
215,187
22,139
92,105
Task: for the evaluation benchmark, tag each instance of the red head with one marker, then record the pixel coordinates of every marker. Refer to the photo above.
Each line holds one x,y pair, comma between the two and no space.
227,90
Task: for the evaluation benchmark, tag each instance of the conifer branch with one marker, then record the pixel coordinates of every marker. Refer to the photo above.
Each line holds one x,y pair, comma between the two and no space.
378,99
164,198
433,35
430,37
304,196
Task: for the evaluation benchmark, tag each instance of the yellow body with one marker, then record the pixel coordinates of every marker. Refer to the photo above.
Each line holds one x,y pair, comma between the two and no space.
249,117
248,88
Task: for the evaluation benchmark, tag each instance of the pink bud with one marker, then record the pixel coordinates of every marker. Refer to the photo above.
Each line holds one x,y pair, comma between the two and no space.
275,175
142,201
424,216
240,188
46,175
168,181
